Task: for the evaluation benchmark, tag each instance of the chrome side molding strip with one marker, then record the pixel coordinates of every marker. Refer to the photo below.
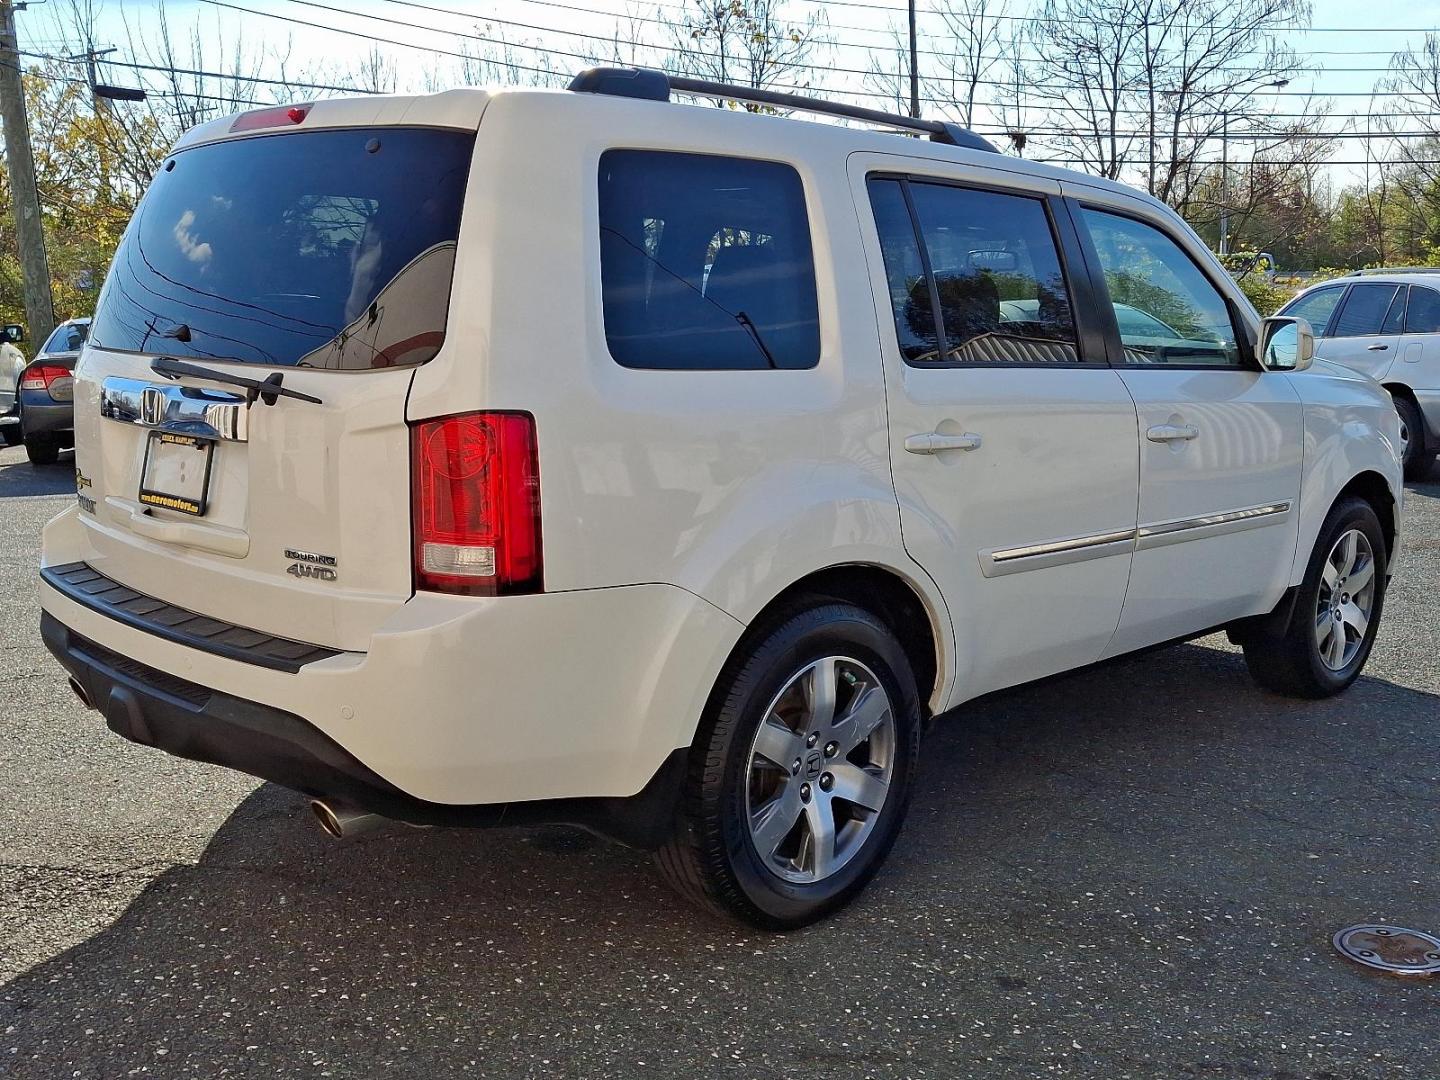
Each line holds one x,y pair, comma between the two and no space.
1178,531
1056,553
1001,561
189,410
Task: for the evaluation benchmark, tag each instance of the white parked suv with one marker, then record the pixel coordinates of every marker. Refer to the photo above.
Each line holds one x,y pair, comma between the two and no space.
498,458
1386,323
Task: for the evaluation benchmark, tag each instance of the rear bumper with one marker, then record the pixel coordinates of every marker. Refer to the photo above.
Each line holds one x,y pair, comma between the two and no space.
182,718
46,417
459,701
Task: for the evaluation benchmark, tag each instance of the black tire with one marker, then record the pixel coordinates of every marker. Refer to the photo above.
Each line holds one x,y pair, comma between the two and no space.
10,434
42,449
1419,454
1284,655
711,859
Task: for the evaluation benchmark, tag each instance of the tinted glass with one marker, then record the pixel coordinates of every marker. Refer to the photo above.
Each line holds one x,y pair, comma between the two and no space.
1002,293
1365,310
904,273
1423,314
1316,307
1147,271
705,262
1395,317
67,338
328,249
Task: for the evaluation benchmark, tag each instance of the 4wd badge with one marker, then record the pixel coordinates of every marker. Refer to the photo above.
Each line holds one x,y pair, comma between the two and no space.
309,564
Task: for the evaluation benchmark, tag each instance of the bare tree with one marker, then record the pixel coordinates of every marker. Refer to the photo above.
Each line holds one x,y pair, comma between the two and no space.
972,55
1146,86
750,42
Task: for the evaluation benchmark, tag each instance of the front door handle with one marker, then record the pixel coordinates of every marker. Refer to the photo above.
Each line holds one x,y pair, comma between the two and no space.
1376,348
1172,432
932,442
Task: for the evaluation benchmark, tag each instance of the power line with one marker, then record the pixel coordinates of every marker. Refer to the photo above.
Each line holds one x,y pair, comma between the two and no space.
387,41
627,18
588,58
224,76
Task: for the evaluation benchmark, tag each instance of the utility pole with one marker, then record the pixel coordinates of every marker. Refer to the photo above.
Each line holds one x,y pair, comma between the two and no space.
914,67
29,227
101,100
1225,183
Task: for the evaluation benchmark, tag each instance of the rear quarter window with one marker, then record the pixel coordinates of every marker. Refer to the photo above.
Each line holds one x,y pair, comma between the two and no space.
705,263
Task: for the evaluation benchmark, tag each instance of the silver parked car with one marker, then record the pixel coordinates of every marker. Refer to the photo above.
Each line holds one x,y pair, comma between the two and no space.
1386,323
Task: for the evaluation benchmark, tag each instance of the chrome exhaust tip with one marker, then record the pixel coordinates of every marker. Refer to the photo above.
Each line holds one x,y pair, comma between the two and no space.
342,822
80,692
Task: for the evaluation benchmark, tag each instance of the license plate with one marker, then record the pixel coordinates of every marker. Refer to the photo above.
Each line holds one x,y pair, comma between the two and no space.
176,475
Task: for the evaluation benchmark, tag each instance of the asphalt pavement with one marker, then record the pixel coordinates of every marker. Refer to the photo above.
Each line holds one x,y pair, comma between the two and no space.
1134,871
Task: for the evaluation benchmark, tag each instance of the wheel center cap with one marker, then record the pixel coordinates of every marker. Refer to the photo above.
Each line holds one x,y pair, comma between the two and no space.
814,762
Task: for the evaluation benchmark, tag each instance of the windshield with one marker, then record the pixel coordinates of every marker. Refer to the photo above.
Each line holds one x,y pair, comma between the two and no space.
329,249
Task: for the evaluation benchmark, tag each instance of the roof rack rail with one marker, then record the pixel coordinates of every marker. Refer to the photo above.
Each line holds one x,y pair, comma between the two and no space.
1397,270
654,85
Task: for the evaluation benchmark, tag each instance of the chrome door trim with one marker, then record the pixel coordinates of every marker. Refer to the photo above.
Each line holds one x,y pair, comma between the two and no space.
190,410
1002,561
1163,533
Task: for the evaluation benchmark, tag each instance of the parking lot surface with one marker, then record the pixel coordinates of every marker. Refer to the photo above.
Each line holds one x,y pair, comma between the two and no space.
1134,871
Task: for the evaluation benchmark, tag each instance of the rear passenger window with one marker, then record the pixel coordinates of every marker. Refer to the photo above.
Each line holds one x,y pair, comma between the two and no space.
705,263
905,273
992,266
1423,315
1366,312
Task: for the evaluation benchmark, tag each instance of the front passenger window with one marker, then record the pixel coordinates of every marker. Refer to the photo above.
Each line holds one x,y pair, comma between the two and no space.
1167,309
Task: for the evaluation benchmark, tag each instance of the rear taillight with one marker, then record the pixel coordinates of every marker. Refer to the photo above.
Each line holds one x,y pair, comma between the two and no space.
476,504
45,377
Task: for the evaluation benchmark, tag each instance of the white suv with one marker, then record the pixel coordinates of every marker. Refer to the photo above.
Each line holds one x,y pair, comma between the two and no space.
1386,323
494,458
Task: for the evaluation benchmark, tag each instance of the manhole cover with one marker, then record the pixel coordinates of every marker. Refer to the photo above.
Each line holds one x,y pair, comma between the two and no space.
1391,948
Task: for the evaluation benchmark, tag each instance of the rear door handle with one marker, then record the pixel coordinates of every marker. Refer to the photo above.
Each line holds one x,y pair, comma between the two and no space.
1376,348
1172,432
932,442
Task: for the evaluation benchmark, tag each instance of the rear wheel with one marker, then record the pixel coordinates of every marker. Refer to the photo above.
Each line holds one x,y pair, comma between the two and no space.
800,776
10,434
1323,644
42,449
1415,452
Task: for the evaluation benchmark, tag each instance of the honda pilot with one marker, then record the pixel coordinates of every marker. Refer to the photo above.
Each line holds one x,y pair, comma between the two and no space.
496,458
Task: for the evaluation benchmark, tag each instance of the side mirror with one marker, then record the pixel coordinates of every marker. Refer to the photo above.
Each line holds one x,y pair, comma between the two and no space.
1286,343
13,333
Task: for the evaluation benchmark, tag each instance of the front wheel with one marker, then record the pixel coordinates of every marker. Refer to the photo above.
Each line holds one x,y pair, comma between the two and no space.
1323,644
800,774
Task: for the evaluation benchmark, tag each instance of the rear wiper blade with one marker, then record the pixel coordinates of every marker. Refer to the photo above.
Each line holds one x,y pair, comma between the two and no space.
267,390
754,332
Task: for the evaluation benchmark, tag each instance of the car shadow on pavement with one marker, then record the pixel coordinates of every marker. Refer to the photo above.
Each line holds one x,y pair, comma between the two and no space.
1142,862
19,477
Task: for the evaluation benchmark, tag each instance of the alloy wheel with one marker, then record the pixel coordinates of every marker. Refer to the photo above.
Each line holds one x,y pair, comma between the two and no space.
819,769
1346,601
